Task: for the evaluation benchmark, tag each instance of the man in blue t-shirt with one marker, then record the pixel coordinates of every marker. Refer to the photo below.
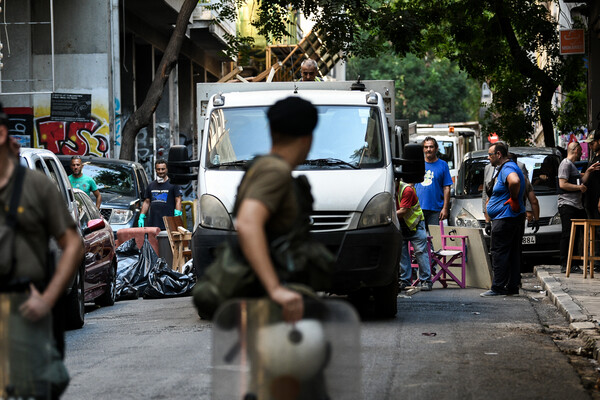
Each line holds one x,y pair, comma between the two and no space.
162,198
506,209
83,182
434,191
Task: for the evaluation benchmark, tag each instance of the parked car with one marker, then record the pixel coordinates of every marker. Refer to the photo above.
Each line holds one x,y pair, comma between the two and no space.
46,162
122,184
100,253
542,167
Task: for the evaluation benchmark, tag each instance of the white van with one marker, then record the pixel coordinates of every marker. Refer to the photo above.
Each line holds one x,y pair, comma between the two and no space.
349,168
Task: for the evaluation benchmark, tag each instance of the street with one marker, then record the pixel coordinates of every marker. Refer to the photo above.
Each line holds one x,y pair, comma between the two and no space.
448,343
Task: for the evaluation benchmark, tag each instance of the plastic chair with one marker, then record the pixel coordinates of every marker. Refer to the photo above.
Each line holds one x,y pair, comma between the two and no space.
450,256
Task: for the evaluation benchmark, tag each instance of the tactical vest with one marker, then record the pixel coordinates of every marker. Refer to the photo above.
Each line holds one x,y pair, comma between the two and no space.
414,214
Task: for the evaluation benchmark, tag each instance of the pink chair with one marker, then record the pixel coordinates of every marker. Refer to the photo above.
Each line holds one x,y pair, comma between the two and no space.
451,255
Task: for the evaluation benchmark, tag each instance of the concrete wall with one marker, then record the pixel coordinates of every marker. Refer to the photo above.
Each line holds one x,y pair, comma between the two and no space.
81,65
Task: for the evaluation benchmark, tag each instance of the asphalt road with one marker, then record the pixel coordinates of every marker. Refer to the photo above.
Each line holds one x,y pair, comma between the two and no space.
447,344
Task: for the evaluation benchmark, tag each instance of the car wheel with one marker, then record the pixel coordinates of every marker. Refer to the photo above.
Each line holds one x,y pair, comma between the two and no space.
75,304
108,297
386,298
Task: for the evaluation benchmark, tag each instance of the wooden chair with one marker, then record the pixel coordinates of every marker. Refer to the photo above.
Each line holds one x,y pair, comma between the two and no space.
589,236
451,256
179,239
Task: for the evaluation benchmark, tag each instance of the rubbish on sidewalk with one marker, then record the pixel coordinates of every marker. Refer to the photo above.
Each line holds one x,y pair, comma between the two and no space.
410,290
429,334
403,296
475,313
491,354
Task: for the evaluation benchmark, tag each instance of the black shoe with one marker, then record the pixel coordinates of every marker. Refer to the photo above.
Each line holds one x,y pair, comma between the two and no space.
576,269
512,292
426,286
563,270
491,293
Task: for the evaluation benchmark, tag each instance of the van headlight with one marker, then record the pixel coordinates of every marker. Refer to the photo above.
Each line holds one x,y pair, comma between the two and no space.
213,213
120,216
555,220
465,218
378,211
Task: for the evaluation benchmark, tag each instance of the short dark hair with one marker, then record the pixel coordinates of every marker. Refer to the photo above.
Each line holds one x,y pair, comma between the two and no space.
501,147
292,117
431,139
160,161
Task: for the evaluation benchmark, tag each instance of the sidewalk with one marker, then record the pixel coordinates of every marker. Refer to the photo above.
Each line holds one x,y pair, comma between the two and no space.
577,298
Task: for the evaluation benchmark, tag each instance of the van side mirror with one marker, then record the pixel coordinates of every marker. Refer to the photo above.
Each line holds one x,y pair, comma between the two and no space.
410,168
180,166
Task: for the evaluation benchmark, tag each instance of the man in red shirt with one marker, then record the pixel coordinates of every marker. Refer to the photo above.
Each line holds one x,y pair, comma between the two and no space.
412,223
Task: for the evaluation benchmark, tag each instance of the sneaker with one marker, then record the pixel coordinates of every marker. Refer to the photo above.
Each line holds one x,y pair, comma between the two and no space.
576,269
426,286
491,293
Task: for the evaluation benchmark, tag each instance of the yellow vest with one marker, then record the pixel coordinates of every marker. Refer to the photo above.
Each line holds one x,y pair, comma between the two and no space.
414,214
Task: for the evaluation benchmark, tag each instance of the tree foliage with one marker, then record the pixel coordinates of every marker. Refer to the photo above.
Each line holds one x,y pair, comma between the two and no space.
511,44
428,89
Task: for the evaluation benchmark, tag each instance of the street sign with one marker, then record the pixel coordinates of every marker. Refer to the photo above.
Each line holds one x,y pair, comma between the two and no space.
572,41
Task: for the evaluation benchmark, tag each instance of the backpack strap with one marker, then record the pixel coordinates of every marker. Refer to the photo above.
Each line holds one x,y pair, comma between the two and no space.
11,217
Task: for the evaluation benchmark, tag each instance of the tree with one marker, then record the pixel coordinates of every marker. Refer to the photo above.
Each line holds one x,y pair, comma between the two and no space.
428,89
143,115
511,44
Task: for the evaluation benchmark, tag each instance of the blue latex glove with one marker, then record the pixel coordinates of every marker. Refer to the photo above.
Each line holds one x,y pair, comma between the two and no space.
177,213
141,220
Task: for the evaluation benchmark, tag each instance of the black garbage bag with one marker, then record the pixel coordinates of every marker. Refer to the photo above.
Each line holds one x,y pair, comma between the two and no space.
133,270
164,282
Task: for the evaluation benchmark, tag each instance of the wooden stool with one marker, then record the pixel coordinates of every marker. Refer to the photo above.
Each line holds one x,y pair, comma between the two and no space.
589,235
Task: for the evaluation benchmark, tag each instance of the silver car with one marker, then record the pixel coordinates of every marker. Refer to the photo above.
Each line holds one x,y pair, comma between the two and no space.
542,167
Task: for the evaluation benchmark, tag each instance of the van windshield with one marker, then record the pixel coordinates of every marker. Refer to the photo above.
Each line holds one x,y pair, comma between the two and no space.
345,137
542,171
446,152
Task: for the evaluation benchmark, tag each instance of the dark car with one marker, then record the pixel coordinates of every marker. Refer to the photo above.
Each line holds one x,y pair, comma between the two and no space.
100,255
122,184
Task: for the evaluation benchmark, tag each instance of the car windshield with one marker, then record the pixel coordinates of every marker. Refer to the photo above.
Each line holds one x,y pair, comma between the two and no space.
111,178
542,171
345,137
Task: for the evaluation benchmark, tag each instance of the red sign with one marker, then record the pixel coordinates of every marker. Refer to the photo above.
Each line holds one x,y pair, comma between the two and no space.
572,41
492,138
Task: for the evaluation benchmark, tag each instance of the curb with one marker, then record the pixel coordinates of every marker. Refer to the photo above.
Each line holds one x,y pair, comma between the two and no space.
579,320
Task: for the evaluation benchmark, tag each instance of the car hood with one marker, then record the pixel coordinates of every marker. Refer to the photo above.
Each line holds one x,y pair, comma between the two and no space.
117,200
348,190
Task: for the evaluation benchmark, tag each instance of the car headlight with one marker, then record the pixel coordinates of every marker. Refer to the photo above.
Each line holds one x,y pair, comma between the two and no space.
213,213
378,211
120,216
466,219
555,220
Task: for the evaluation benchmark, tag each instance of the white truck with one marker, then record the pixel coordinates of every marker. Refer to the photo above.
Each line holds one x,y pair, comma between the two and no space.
349,167
454,143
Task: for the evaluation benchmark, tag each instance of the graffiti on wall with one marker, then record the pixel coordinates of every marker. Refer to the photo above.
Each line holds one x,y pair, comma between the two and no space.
72,138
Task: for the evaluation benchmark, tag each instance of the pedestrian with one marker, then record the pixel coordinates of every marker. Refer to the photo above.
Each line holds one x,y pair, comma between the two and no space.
412,223
308,70
572,185
592,195
25,264
80,181
532,205
506,210
162,198
434,191
267,204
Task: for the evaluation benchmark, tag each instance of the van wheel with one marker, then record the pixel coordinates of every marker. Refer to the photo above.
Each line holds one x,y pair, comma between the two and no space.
75,304
386,298
107,298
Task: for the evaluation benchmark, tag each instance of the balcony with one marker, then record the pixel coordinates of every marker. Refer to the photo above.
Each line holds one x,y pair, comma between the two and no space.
207,32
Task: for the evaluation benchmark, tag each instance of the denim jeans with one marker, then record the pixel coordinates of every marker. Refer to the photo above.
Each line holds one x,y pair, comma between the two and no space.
419,243
431,218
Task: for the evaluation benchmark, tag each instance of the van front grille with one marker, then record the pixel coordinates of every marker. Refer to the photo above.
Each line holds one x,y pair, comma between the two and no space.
330,221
